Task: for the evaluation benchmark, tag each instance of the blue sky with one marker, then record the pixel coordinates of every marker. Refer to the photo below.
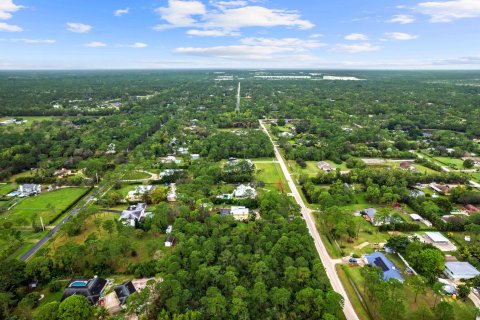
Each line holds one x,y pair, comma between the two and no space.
121,34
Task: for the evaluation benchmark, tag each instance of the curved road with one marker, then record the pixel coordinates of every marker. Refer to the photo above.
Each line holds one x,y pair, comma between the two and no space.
327,261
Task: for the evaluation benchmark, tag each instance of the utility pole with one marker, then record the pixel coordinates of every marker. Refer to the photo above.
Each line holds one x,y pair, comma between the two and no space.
41,221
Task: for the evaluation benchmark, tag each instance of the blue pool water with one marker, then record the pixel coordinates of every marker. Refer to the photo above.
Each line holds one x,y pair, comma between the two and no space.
78,284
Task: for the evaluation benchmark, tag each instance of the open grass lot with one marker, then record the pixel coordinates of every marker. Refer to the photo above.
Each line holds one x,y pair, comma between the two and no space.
361,311
134,175
451,162
463,310
424,170
475,176
46,205
145,247
6,188
311,170
270,173
21,175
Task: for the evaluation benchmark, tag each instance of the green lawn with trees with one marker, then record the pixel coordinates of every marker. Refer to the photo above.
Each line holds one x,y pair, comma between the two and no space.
46,205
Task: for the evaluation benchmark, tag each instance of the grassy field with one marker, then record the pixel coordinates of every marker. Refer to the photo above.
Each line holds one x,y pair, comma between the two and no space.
451,162
6,188
476,176
271,174
423,169
311,170
46,205
360,310
135,175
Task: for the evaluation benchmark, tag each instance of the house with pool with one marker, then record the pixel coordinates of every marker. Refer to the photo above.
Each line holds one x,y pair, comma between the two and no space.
89,288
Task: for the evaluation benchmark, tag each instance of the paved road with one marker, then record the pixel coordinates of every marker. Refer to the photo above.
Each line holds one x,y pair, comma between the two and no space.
327,261
475,300
55,229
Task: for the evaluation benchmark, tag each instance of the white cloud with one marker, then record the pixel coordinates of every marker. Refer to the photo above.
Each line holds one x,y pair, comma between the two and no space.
180,14
138,45
400,36
9,27
95,44
356,48
316,35
121,12
356,37
265,49
402,19
212,33
458,61
7,7
229,17
447,11
78,27
283,42
31,41
228,4
256,16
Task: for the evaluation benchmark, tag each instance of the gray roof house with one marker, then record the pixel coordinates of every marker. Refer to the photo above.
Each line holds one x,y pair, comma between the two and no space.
460,270
124,290
134,214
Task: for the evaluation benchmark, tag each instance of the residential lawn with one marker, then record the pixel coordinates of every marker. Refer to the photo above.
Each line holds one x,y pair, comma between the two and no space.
354,299
46,205
463,310
28,173
146,247
475,176
310,170
6,188
423,169
342,166
453,162
135,175
271,174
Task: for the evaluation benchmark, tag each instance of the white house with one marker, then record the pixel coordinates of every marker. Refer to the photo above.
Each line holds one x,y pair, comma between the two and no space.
239,212
182,150
244,192
460,270
111,149
172,194
439,241
27,190
416,217
325,166
437,237
134,214
139,191
169,159
195,156
170,241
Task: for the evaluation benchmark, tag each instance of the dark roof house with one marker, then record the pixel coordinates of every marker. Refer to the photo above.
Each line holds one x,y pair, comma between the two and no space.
124,291
89,288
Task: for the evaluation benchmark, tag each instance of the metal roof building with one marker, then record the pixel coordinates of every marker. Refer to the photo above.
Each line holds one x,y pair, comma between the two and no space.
460,270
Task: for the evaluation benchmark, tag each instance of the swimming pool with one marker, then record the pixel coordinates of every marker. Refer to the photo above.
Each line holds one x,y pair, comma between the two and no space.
77,284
